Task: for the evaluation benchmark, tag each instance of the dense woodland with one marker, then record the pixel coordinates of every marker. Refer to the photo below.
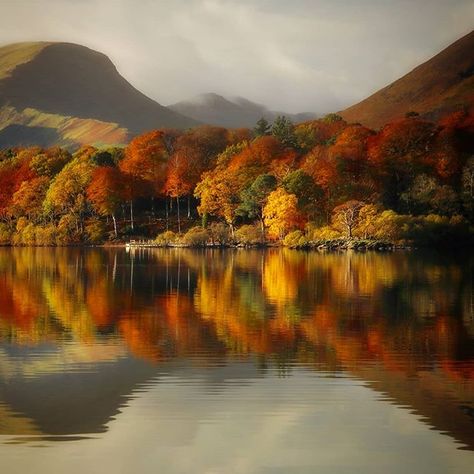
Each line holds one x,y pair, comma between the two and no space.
299,185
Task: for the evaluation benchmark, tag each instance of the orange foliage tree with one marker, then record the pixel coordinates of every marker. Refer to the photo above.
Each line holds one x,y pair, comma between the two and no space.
105,191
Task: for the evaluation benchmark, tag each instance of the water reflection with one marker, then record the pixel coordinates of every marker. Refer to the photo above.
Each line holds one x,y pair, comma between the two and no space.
84,333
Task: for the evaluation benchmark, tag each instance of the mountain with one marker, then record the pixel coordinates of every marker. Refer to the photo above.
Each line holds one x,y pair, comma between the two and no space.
214,109
68,94
437,87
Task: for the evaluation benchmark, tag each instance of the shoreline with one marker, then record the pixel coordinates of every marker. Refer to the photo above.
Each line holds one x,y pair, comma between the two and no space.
319,245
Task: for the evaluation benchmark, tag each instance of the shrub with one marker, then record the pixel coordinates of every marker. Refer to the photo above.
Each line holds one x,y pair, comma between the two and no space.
219,233
25,232
195,237
66,230
5,234
166,238
435,230
324,233
45,235
295,240
248,235
95,231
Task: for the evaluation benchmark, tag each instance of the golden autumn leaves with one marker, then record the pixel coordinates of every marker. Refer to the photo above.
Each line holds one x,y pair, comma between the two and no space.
272,184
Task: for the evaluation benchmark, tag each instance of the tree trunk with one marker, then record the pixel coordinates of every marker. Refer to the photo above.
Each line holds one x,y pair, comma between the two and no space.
232,232
166,214
131,214
189,206
115,225
179,219
262,227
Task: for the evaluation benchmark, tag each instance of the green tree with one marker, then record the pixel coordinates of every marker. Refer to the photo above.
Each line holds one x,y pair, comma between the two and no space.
262,128
284,130
254,197
302,185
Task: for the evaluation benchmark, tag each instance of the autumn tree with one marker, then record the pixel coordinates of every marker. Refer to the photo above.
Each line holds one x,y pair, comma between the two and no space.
399,152
218,192
179,180
346,216
144,164
426,195
105,192
28,199
367,221
281,213
50,162
66,195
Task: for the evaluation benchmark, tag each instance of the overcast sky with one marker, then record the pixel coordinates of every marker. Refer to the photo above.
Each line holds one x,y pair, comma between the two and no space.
291,55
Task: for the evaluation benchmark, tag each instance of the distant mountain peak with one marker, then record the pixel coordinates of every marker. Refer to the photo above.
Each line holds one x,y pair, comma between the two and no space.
85,85
233,112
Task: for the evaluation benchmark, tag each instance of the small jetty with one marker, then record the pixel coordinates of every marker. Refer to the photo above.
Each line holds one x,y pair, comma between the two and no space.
141,244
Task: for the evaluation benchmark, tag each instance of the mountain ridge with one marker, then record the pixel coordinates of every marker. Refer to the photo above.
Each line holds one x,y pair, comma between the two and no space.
86,86
235,112
442,84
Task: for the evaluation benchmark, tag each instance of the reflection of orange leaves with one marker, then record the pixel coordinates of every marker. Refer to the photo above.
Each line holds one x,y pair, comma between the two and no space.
19,305
459,371
141,338
101,306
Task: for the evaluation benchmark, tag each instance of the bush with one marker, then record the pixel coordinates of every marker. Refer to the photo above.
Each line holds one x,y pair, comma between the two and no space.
438,231
195,237
66,230
5,234
25,232
295,240
248,235
324,233
95,231
45,235
219,233
166,238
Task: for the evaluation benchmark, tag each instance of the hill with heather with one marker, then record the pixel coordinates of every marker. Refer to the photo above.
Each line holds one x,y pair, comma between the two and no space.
214,109
63,93
441,85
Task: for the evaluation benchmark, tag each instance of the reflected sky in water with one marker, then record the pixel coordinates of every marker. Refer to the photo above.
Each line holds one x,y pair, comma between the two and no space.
235,361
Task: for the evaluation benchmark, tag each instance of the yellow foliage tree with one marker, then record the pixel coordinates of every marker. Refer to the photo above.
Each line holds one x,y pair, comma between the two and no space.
367,221
281,213
218,192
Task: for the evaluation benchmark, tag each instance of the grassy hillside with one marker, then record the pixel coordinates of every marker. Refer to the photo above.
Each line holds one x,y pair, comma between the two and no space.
81,88
441,85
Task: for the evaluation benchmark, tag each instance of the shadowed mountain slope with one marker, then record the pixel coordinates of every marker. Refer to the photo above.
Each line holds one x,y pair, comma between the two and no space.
441,85
69,82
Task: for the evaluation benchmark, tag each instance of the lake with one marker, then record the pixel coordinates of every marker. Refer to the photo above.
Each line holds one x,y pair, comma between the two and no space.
235,361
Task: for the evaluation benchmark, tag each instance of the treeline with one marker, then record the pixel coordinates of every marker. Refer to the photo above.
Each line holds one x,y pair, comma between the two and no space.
297,184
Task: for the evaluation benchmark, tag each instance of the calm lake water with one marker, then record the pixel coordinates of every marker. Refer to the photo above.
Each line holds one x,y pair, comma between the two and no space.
277,361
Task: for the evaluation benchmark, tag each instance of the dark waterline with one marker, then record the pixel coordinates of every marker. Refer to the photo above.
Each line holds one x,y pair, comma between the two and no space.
178,360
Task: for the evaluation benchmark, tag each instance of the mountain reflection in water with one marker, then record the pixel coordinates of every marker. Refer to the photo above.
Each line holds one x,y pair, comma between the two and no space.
172,342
